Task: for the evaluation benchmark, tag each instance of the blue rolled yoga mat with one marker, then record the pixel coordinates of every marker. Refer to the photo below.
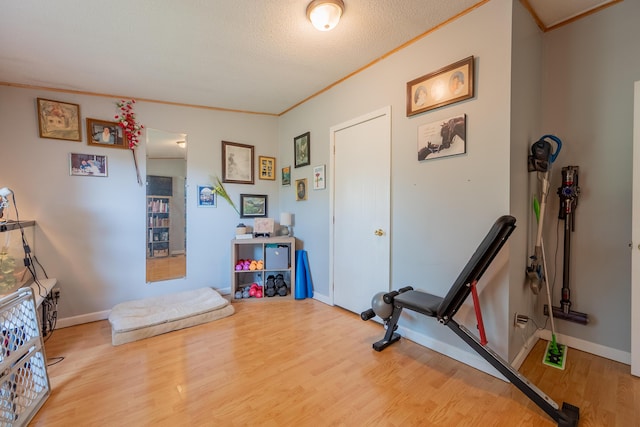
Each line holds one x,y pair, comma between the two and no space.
304,287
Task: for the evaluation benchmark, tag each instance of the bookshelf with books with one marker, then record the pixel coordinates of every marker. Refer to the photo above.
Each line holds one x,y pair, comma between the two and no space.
158,221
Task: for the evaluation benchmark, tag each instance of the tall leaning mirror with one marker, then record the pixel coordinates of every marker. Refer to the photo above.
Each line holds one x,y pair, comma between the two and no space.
166,205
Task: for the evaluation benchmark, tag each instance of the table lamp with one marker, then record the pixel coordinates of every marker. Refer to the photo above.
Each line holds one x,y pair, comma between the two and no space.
285,221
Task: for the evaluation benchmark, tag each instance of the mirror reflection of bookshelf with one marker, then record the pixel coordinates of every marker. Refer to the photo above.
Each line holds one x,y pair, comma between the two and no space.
158,222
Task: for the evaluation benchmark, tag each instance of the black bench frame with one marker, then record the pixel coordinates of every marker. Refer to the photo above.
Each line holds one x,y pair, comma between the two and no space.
444,309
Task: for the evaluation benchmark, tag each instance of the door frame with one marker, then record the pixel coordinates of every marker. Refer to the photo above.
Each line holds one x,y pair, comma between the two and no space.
635,238
384,111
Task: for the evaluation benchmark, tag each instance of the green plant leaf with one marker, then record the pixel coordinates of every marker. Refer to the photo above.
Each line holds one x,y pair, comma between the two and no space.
218,188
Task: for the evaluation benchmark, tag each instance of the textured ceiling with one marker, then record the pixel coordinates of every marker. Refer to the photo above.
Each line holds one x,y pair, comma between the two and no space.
249,55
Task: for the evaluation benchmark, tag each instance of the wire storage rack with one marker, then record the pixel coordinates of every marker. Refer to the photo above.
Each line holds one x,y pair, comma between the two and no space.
24,381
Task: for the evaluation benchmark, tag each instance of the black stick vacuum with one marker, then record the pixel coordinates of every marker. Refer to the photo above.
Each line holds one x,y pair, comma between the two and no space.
568,193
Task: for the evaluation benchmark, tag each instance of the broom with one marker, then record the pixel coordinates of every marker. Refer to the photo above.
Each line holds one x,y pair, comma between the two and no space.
555,353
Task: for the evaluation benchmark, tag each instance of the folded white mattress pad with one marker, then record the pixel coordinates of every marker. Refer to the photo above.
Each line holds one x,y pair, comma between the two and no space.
138,319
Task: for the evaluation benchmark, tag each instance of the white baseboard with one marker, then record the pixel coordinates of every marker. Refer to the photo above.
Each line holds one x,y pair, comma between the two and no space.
322,298
524,351
473,360
589,347
103,315
85,318
224,291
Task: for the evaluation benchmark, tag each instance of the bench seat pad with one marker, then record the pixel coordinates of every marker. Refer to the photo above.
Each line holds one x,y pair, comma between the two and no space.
421,302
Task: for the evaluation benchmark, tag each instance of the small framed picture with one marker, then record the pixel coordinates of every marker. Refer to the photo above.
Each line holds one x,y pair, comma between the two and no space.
105,134
264,226
206,196
253,205
87,165
448,85
286,175
267,167
59,120
319,182
237,163
302,149
301,189
442,138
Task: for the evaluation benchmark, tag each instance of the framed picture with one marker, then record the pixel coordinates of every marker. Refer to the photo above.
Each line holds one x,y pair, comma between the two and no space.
87,164
302,149
59,120
319,182
267,167
286,175
253,205
264,226
206,196
237,163
105,134
442,138
301,189
450,84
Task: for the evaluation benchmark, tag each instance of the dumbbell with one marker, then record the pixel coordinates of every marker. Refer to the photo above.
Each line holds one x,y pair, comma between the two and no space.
281,286
282,290
270,286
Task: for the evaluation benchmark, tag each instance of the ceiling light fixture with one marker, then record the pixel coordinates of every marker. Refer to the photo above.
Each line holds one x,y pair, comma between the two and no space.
325,14
181,144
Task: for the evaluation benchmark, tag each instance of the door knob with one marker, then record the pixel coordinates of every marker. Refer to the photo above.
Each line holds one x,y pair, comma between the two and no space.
378,232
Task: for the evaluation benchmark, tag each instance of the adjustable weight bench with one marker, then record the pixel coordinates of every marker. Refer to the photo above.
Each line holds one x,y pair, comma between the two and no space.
444,310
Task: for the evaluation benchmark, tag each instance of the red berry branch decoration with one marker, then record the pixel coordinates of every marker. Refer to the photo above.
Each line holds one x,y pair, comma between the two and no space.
132,129
127,121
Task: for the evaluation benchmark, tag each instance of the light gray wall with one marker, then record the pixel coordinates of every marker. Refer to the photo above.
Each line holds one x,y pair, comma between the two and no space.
90,231
589,68
441,209
526,86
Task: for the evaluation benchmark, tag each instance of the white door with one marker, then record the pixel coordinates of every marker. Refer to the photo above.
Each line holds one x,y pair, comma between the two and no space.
635,238
360,241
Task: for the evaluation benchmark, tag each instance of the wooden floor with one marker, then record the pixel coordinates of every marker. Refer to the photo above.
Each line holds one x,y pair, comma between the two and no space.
165,268
303,363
